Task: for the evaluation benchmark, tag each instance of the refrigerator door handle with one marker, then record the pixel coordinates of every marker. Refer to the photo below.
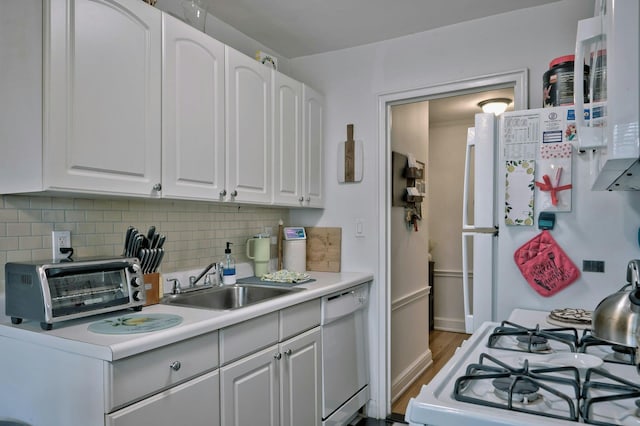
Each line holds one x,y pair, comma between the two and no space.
466,289
467,171
478,292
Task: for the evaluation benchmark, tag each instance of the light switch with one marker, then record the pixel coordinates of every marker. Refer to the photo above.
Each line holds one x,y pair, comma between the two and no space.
360,228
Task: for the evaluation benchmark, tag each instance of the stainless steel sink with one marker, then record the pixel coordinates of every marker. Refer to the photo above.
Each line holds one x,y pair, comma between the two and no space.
227,297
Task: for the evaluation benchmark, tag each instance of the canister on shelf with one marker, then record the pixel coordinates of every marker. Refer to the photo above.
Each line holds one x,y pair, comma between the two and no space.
558,82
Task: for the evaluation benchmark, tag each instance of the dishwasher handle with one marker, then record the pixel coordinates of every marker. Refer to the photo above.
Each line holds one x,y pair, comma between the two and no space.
338,305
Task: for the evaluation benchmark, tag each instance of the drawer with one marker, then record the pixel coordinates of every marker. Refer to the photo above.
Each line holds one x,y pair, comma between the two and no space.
247,337
298,318
195,403
138,376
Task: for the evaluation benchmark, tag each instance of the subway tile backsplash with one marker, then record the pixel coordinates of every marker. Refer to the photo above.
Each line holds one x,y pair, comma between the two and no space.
196,231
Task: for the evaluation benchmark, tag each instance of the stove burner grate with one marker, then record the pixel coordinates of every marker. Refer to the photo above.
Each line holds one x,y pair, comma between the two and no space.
620,354
518,387
532,339
596,391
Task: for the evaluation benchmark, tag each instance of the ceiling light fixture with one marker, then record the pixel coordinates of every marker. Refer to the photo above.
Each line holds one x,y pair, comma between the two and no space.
495,105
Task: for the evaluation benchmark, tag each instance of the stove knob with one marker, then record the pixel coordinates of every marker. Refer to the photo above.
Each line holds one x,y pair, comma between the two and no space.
137,296
136,281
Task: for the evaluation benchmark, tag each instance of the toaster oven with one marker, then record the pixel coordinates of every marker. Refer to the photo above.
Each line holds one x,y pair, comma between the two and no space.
60,291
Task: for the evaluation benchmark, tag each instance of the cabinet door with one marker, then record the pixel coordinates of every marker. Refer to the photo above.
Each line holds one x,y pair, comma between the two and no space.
195,403
248,117
249,390
300,378
313,139
287,141
192,112
102,96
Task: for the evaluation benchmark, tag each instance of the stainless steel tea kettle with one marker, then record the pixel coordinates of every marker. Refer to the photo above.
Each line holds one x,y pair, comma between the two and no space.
616,319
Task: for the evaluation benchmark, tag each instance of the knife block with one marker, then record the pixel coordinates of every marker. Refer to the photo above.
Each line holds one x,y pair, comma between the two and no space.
152,288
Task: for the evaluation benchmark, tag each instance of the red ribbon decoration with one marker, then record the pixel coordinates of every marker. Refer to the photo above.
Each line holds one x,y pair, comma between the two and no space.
547,186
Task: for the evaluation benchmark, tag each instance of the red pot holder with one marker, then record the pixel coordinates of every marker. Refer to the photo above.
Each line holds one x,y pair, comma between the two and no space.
544,265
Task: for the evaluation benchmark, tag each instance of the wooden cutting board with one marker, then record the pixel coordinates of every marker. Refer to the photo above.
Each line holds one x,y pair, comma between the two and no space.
324,248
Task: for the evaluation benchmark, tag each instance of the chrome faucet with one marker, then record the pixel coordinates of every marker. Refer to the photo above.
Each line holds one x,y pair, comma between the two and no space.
194,280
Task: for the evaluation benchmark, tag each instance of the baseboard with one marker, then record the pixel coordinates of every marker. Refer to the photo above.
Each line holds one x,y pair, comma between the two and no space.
409,375
449,324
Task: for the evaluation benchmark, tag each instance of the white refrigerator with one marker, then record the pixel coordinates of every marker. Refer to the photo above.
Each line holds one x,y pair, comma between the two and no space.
597,230
582,168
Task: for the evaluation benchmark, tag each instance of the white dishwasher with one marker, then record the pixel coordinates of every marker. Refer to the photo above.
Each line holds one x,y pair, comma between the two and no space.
345,375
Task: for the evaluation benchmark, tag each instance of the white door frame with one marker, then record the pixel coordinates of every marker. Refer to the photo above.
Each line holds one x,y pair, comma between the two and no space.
517,79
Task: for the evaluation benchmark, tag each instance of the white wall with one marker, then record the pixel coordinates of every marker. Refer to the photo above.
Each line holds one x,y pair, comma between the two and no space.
409,259
352,80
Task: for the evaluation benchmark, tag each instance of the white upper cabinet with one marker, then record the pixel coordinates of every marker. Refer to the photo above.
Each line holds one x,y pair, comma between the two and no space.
102,97
313,137
115,97
192,113
287,141
248,126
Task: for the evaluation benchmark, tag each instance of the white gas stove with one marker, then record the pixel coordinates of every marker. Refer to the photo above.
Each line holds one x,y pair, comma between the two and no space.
527,371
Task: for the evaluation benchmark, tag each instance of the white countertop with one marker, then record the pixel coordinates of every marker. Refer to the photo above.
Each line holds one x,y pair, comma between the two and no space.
74,336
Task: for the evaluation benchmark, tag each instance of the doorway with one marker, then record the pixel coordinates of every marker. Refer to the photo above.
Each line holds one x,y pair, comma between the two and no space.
399,377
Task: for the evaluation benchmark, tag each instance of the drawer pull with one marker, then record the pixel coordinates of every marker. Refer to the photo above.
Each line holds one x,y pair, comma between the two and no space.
288,352
278,356
175,365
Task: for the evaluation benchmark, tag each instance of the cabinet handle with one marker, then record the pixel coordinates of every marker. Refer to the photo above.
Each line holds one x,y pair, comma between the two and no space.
288,352
301,199
234,193
175,365
308,199
278,356
223,193
157,187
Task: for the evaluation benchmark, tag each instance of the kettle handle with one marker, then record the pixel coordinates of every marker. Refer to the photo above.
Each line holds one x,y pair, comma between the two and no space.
248,247
633,273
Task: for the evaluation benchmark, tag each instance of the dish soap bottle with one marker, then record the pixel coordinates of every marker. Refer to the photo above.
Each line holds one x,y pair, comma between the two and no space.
228,267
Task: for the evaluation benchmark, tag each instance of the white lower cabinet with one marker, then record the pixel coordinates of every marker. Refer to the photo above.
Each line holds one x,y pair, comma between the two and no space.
249,390
194,403
180,378
301,380
279,385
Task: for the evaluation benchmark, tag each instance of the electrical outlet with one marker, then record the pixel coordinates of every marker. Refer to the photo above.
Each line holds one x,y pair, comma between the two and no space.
60,240
593,265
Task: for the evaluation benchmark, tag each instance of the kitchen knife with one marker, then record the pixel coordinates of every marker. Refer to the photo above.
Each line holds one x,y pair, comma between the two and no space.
131,243
153,254
143,258
156,263
137,244
151,232
127,239
161,241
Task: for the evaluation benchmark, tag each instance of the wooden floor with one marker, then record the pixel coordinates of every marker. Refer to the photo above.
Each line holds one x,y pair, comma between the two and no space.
443,345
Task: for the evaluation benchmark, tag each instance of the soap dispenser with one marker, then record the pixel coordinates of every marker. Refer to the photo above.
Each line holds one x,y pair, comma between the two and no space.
228,267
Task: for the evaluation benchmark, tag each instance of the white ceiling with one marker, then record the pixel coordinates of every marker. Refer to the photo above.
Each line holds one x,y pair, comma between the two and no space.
294,28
